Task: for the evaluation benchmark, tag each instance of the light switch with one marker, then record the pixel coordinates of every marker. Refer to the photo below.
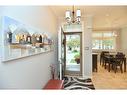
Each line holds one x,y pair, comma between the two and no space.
86,48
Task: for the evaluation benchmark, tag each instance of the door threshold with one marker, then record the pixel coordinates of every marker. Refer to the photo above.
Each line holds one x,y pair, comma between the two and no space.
73,76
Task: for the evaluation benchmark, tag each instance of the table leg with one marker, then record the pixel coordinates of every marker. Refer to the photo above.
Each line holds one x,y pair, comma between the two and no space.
125,65
105,64
109,67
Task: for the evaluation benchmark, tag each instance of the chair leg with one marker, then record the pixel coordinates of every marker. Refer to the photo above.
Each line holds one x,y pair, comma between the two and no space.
109,67
104,64
115,68
121,68
112,67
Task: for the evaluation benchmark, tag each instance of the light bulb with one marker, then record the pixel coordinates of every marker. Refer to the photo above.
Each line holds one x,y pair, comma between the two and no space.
68,14
78,13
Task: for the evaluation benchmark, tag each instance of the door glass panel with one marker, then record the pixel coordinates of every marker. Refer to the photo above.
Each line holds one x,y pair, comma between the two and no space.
73,53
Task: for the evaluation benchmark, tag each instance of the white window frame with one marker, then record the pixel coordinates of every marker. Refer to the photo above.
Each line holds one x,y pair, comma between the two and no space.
102,38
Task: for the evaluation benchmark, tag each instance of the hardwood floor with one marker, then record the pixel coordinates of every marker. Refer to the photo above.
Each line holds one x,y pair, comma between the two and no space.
109,80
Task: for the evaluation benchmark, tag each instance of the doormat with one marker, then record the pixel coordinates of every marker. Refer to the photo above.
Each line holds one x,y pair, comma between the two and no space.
76,83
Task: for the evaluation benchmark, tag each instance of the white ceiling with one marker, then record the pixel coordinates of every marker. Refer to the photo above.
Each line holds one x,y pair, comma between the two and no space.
103,16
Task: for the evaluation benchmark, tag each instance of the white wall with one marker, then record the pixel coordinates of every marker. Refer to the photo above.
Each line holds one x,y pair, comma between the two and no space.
31,72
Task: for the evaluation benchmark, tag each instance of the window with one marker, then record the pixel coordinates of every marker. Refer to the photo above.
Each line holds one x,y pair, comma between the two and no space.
103,40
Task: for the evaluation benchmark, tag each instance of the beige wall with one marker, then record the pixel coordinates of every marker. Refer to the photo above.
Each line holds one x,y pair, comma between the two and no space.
123,41
118,40
31,72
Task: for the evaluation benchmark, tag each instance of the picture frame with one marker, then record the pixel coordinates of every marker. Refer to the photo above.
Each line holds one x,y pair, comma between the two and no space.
20,40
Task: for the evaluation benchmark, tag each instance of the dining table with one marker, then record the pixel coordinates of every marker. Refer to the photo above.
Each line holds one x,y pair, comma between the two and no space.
111,57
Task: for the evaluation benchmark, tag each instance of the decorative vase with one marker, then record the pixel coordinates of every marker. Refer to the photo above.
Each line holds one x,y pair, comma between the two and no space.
53,76
52,71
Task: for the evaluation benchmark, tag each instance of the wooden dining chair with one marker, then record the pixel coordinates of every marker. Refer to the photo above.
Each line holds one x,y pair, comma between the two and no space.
118,62
102,55
108,61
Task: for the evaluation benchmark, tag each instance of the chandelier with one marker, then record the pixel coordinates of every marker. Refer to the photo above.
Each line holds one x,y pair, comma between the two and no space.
71,17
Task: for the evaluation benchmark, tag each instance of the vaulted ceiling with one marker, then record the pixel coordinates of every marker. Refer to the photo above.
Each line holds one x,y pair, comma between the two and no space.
103,16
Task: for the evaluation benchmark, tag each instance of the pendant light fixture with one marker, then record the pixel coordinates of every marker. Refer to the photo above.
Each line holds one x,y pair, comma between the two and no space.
73,17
